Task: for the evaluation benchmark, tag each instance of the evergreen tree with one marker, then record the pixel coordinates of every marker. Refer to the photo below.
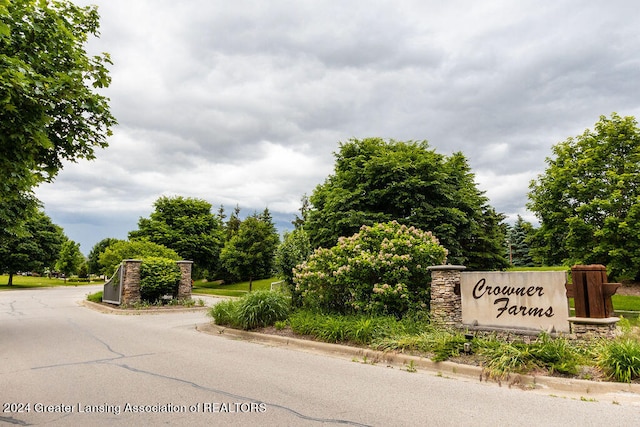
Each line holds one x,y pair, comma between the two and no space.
518,241
377,181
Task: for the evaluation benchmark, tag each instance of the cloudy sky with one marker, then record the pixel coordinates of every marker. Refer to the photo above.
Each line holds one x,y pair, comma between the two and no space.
245,102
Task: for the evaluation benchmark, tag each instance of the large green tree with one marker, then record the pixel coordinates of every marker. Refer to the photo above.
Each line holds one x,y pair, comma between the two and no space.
249,255
70,258
35,250
93,261
588,199
50,110
187,226
377,181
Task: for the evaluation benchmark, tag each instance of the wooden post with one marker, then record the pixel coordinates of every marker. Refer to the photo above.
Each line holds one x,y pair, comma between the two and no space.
591,292
592,300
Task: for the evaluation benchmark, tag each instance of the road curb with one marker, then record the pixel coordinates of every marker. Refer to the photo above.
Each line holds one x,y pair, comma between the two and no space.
614,392
111,310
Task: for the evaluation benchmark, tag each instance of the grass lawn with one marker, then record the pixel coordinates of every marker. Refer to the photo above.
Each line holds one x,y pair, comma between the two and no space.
625,302
21,282
233,289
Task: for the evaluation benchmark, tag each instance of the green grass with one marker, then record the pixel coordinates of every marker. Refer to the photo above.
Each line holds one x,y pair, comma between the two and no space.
233,289
620,302
23,282
96,297
625,302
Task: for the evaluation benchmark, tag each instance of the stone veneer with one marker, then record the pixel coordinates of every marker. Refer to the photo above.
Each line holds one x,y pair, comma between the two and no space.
184,288
131,281
589,329
446,300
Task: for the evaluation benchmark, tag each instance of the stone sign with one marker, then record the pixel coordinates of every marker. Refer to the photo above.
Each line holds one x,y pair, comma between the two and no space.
526,300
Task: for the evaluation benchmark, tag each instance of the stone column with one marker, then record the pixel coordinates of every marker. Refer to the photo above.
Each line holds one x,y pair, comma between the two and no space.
446,299
131,281
184,288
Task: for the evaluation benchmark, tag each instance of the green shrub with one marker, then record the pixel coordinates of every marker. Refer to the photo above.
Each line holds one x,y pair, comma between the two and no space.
294,249
225,313
263,308
95,297
380,270
620,359
254,310
158,277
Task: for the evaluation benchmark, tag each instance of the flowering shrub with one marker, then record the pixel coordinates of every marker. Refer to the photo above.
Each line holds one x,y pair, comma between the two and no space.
382,269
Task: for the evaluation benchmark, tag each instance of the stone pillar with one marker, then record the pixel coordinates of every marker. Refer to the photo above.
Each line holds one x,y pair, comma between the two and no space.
184,288
131,281
446,299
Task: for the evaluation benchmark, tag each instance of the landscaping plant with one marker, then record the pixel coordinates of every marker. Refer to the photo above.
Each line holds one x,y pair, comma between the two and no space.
620,359
380,270
158,277
255,309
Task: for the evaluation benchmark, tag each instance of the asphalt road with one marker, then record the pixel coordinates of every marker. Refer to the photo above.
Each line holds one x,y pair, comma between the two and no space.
64,364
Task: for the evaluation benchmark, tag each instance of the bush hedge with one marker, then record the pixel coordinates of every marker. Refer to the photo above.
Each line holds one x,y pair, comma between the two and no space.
158,277
255,309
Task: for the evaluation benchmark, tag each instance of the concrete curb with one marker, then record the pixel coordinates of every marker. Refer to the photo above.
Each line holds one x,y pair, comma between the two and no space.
110,310
583,389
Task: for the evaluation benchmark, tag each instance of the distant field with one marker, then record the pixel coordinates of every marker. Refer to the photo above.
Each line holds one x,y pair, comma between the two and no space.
39,282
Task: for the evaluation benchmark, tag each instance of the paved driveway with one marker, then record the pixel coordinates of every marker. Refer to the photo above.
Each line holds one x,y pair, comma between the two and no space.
64,364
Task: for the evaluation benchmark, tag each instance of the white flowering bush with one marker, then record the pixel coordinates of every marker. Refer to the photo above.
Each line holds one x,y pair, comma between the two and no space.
382,269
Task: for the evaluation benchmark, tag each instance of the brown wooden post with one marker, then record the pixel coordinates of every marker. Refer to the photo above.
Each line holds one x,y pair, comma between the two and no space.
591,292
592,300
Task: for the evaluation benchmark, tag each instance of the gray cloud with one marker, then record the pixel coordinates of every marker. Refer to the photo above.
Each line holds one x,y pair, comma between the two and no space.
244,102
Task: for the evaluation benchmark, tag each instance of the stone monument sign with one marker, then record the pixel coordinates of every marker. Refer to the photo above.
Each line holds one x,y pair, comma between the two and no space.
526,300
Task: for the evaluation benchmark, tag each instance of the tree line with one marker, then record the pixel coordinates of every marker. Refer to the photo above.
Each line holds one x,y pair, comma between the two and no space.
587,201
